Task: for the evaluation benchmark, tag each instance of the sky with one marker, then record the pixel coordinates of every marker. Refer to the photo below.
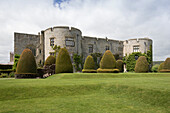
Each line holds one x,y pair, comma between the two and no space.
115,19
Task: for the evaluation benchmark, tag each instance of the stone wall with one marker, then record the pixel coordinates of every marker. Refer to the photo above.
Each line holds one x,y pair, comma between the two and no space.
22,41
142,43
99,45
60,34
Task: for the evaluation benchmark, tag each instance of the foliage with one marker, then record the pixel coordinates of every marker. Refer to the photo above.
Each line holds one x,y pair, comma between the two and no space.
50,60
26,64
56,49
12,74
166,66
89,63
108,61
116,56
107,70
16,59
141,65
155,68
131,60
77,59
96,57
119,65
4,75
160,66
89,71
63,62
4,67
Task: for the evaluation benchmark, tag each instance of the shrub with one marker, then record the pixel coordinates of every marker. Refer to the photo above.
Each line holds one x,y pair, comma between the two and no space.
77,61
4,75
155,68
50,60
89,65
107,70
26,67
141,65
97,57
166,66
119,65
12,74
16,59
63,62
160,66
108,61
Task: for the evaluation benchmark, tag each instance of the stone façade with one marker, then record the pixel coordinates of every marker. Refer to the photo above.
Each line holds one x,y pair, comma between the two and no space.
72,39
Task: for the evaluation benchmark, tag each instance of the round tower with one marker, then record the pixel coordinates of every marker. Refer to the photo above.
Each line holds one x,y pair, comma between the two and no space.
64,37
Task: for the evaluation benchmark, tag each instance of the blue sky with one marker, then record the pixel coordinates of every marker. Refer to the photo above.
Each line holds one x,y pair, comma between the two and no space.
115,19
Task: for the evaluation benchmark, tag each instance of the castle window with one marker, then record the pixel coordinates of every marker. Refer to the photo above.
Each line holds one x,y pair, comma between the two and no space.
40,51
51,53
107,47
90,48
135,48
70,42
51,41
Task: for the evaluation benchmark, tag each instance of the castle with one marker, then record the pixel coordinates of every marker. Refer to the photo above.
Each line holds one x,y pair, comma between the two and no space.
71,38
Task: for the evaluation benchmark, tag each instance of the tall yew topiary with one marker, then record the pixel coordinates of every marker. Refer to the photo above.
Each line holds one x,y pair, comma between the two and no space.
166,66
63,62
89,65
50,60
26,67
142,65
119,65
108,61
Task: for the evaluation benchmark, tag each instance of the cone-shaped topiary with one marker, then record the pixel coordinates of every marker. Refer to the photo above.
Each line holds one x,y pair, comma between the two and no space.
119,65
63,62
166,66
160,67
141,65
108,61
26,67
50,60
89,65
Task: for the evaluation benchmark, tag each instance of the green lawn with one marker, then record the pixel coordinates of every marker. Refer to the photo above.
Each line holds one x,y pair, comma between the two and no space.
87,93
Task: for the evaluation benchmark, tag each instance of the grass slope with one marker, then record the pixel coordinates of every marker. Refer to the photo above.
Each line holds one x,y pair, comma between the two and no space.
75,93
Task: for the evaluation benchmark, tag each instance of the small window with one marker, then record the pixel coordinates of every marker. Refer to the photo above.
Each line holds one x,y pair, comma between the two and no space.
70,42
107,47
51,41
51,53
135,48
40,61
40,51
90,48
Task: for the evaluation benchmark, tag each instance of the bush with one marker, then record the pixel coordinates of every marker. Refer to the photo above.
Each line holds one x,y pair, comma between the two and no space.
26,67
63,62
12,74
16,59
50,60
166,66
108,61
4,75
89,65
160,67
119,65
155,68
141,65
107,70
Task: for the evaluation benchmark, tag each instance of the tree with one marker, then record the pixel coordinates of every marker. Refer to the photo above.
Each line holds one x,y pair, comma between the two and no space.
141,65
119,65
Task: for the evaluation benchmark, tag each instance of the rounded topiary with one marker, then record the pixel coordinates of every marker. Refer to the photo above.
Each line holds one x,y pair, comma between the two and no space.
50,60
108,61
142,65
89,65
155,68
160,67
63,62
166,66
119,65
26,67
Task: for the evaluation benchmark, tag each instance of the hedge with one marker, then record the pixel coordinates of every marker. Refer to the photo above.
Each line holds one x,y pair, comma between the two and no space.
50,60
63,62
107,70
108,61
119,65
166,66
160,67
142,65
26,67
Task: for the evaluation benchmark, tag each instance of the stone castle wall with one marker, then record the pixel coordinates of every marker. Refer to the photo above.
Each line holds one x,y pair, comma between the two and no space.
40,44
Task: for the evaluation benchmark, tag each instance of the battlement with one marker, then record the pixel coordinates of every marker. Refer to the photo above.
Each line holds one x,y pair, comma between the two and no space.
62,27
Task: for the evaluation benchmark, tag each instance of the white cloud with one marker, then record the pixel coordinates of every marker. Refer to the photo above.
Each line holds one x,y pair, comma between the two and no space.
117,19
